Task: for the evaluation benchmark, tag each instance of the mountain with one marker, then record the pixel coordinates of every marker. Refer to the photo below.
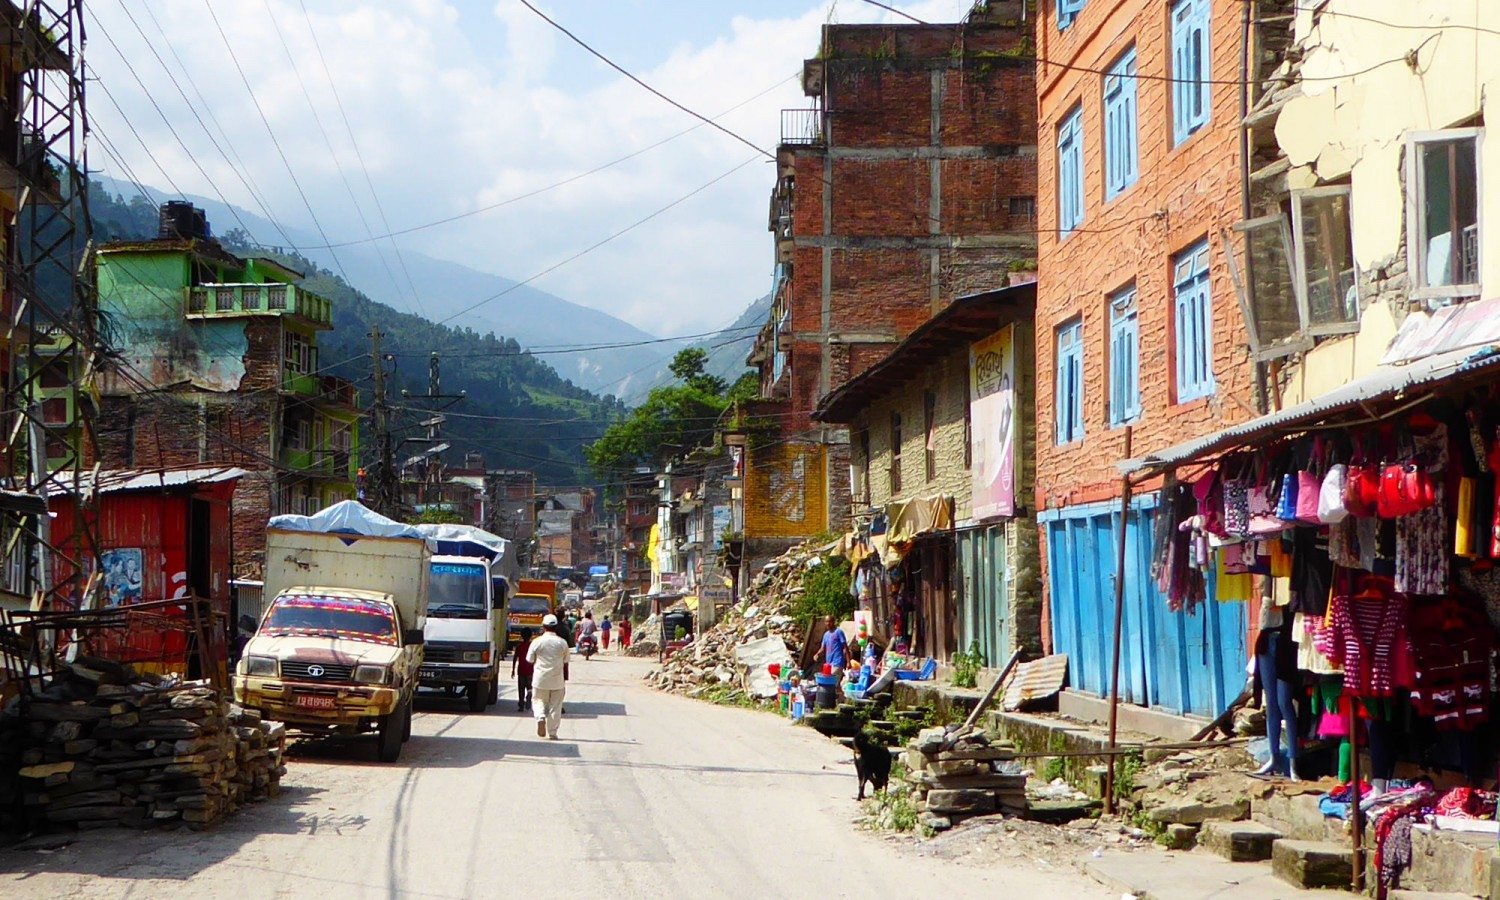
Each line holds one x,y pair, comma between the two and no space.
727,349
532,317
517,409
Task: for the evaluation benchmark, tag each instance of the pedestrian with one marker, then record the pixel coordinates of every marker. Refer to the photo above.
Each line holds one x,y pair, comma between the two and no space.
604,629
835,648
548,655
521,670
625,634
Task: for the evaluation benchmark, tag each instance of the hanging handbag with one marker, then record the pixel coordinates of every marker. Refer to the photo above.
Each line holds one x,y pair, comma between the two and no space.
1237,505
1309,487
1362,487
1286,504
1331,505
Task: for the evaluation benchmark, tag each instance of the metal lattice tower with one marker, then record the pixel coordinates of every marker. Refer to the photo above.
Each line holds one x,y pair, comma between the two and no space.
52,322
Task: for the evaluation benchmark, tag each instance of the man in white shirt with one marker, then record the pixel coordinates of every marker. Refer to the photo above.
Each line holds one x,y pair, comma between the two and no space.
548,656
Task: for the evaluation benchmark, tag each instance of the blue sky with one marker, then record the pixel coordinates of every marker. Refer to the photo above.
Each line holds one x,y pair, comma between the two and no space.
456,104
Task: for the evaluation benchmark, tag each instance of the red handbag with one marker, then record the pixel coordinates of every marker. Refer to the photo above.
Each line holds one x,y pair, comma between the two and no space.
1405,488
1362,490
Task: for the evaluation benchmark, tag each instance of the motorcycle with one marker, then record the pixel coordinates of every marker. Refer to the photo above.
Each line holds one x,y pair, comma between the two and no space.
588,645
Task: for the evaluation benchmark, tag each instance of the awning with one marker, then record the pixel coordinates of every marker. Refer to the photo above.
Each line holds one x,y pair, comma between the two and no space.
1383,385
911,518
115,481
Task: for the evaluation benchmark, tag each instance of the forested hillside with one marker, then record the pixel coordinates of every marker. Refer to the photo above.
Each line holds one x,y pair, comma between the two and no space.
518,411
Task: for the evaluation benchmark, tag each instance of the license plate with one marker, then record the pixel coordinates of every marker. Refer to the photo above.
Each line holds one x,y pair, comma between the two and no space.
313,701
429,673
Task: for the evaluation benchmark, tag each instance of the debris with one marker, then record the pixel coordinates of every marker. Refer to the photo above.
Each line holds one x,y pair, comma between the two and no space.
952,773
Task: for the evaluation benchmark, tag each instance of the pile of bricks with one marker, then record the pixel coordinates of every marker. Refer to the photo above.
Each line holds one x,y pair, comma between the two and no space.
954,775
104,746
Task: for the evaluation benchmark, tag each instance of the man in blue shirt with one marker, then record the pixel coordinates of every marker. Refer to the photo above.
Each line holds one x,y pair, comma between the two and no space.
835,649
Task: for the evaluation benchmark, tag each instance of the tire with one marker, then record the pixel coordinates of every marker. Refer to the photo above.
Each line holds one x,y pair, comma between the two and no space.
477,695
388,743
406,728
494,696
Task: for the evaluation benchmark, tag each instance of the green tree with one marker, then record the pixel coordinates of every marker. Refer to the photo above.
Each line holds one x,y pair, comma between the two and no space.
674,419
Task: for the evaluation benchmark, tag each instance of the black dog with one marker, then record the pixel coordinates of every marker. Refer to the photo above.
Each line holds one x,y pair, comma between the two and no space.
872,762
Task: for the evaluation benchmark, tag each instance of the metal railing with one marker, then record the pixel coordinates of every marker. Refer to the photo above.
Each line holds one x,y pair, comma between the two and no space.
802,127
271,298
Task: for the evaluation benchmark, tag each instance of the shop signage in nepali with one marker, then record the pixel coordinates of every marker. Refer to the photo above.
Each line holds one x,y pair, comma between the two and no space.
992,377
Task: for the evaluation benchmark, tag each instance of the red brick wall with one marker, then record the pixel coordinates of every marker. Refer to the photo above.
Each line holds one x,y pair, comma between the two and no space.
1184,194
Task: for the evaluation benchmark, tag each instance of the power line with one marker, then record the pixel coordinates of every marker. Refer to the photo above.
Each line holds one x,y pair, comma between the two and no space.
597,244
618,68
359,155
271,132
545,188
897,11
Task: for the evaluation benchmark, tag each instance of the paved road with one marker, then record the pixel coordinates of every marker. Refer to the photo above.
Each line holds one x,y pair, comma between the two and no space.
646,795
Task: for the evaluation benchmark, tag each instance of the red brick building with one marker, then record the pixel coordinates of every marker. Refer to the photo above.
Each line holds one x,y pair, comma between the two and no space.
909,181
1137,321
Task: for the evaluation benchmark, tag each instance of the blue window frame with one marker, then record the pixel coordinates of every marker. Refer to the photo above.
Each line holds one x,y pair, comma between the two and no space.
1067,11
1190,68
1124,359
1070,172
1070,382
1121,157
1194,324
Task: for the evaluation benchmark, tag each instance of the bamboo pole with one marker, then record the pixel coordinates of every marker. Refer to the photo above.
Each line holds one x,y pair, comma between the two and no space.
1114,678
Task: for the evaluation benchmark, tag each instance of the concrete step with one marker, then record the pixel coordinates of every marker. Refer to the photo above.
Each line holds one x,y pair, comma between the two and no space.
1239,841
1312,864
1450,861
1403,894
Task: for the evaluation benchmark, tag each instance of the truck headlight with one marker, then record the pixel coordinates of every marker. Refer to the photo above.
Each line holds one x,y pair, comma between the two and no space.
477,656
368,674
262,666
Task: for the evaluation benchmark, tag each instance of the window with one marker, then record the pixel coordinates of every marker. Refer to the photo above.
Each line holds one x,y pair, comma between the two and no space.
1194,324
1190,65
299,354
968,422
1121,157
895,453
1295,274
1070,382
1124,359
864,464
1067,11
929,433
1442,230
1023,208
1070,172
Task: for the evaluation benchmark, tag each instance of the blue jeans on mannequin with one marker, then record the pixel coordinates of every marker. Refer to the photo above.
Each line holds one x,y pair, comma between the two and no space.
1281,710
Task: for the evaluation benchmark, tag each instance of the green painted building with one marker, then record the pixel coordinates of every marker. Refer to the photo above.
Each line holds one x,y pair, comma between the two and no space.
216,361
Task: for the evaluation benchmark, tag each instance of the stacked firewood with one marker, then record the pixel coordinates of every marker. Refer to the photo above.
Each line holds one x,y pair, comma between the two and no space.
104,746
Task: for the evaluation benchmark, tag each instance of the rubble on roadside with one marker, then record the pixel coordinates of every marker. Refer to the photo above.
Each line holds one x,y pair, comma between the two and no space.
710,660
955,774
106,746
645,639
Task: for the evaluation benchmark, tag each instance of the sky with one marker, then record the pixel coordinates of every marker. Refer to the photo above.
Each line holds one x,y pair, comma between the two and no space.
455,105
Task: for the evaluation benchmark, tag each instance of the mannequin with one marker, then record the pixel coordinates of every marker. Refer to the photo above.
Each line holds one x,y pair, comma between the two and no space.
1275,676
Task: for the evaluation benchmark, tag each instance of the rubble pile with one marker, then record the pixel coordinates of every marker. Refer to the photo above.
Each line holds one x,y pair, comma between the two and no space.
710,660
955,773
645,639
106,746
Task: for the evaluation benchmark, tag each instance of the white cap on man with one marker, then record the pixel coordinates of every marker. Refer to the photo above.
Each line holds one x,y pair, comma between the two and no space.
549,620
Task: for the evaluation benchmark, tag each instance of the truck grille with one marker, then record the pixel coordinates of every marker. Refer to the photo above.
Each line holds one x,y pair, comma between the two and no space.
324,671
450,651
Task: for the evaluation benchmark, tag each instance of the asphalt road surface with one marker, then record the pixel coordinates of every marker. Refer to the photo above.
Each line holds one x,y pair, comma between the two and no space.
644,795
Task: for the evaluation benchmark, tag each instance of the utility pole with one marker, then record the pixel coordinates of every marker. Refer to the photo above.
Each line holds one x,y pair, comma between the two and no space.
435,423
386,494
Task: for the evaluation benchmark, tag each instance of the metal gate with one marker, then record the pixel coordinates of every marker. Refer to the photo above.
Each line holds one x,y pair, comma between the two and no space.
1175,661
984,613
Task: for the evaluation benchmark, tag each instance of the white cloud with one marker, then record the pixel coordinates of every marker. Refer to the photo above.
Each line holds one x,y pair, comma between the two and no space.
452,112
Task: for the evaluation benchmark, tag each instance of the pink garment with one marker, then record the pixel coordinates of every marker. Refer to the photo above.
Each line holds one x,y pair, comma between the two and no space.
1366,635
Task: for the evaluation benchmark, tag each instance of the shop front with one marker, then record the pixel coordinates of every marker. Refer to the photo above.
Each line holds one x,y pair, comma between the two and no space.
1361,530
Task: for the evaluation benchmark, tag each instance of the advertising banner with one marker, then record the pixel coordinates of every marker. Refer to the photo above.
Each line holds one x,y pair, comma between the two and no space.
992,379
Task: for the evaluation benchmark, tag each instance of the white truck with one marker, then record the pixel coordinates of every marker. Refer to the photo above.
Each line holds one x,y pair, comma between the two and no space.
466,614
339,647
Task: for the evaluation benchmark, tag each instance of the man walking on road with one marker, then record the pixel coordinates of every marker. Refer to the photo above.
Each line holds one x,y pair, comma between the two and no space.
548,656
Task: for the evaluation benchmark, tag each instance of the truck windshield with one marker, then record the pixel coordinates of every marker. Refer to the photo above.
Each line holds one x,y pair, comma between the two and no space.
341,617
530,605
458,591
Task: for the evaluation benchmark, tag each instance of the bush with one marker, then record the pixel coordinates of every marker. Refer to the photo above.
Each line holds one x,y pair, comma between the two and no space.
966,666
825,592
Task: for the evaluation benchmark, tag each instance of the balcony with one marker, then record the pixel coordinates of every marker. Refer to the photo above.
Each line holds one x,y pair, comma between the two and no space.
802,127
212,301
336,464
325,390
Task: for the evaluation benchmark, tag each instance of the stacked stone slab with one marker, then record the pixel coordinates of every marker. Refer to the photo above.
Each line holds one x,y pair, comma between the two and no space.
954,774
105,746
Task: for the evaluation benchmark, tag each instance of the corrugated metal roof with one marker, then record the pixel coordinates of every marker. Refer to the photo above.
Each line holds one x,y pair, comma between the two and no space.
1388,382
111,481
